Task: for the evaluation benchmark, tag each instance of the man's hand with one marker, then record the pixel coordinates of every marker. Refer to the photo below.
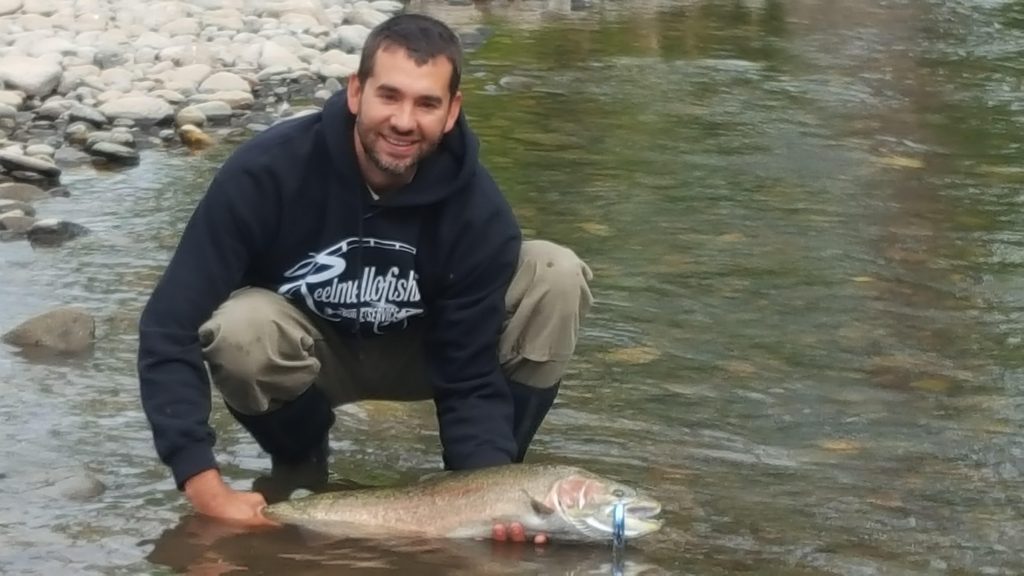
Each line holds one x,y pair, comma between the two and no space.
516,533
210,496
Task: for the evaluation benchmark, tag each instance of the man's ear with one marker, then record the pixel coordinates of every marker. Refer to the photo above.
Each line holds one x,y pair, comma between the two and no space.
454,108
354,92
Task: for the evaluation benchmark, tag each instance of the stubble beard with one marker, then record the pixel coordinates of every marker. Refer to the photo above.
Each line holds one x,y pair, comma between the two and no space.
396,169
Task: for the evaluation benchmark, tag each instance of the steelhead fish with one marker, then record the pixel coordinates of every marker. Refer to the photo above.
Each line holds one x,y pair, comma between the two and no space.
565,502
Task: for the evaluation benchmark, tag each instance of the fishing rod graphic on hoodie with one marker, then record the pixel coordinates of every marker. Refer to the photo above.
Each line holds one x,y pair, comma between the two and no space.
335,290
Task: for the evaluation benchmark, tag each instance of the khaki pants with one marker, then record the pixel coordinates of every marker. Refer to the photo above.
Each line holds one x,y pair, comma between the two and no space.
262,351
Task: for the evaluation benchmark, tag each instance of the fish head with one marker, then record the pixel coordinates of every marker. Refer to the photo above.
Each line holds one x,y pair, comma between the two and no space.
587,503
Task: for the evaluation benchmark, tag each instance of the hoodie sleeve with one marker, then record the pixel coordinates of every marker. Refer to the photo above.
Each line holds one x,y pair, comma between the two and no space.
474,405
228,228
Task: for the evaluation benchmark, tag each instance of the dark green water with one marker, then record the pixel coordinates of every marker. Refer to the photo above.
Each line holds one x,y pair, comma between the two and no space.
804,218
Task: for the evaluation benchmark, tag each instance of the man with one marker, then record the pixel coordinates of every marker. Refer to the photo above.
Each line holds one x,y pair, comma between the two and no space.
359,253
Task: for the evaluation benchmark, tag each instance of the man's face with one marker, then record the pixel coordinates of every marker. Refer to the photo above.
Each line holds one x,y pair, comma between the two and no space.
402,112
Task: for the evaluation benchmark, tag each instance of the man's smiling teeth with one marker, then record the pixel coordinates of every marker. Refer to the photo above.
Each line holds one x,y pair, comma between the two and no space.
399,142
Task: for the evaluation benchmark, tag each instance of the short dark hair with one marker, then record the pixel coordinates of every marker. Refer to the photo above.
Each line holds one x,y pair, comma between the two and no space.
423,38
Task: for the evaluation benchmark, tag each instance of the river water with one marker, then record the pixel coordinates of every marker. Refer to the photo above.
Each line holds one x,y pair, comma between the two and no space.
804,219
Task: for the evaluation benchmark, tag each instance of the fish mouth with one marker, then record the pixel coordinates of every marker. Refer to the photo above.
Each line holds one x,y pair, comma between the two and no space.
639,520
643,509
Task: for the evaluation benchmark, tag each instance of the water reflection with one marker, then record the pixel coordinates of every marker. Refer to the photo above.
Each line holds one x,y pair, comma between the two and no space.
197,546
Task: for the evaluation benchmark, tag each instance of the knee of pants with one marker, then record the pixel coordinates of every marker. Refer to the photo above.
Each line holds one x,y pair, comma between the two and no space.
560,276
251,343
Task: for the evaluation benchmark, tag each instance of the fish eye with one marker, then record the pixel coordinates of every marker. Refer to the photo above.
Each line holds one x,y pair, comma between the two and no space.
618,493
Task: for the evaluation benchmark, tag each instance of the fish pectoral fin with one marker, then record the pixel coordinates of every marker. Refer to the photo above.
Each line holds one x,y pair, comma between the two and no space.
539,507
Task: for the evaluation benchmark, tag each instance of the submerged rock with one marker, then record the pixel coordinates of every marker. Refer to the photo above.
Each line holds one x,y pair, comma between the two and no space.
67,329
53,232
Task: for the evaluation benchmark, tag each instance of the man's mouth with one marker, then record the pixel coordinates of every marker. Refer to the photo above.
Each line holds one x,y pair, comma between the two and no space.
399,142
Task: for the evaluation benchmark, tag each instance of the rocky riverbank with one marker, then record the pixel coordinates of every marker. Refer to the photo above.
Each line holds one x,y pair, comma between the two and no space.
94,81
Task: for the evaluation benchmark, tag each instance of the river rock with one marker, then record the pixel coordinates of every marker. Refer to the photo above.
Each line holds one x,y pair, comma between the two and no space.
8,7
70,156
112,137
12,98
348,37
21,163
184,79
224,19
224,82
54,109
235,99
16,225
67,329
333,85
115,153
7,111
82,113
33,76
273,54
53,232
40,151
21,192
117,79
193,115
141,109
80,487
12,206
366,16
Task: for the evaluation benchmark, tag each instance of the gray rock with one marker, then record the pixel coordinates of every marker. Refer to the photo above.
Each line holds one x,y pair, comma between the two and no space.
235,99
224,82
54,109
11,206
333,85
115,153
8,7
33,76
68,329
20,163
40,151
193,115
348,37
23,176
12,98
16,225
77,132
84,487
120,138
110,57
170,96
82,113
69,156
141,109
21,192
387,6
7,111
366,16
274,55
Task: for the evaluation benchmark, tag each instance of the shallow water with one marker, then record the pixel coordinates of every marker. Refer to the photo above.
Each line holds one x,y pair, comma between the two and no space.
804,221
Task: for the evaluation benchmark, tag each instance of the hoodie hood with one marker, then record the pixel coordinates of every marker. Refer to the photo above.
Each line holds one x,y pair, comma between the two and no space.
450,168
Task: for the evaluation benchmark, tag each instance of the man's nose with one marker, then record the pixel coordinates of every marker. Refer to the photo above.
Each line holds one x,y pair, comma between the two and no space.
403,120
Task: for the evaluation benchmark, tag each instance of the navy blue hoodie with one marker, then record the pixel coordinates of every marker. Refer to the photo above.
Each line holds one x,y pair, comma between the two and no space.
289,211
